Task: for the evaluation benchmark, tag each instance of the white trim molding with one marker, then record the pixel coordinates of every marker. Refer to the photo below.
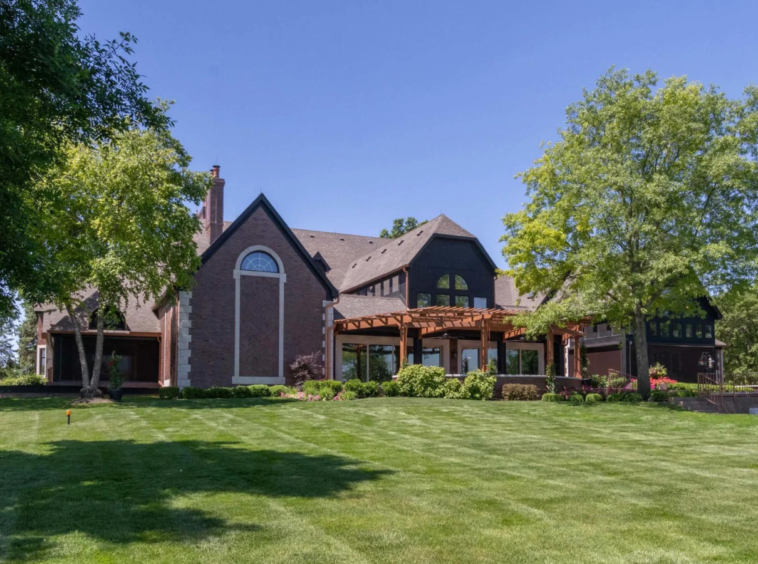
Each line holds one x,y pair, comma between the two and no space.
238,274
37,361
184,340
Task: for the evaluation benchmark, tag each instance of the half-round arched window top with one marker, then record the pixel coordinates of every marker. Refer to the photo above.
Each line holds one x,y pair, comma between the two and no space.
258,261
444,282
460,283
114,319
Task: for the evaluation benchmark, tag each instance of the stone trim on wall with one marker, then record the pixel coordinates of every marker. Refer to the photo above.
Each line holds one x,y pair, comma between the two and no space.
184,340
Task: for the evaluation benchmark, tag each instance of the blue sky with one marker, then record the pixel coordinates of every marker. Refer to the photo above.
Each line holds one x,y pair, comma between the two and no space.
348,114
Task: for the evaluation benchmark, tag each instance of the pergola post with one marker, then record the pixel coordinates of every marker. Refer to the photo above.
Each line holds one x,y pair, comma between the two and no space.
549,352
403,345
577,358
485,344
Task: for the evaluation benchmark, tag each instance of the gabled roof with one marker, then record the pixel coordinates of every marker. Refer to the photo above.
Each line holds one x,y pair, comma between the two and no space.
353,305
398,253
507,296
338,250
262,202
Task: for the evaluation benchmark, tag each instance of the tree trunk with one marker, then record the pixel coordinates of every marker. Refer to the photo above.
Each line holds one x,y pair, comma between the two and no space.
79,346
640,349
93,391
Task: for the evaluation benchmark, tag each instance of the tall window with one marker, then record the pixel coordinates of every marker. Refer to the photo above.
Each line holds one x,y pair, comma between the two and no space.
480,303
461,301
444,282
688,330
423,300
443,300
460,283
470,359
522,361
653,329
258,261
42,360
382,362
699,331
430,356
709,331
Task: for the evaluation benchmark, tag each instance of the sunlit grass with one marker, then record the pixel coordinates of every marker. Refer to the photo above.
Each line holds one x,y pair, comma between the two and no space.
384,480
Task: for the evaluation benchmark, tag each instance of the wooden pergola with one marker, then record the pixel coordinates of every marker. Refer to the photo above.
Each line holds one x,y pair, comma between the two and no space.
434,319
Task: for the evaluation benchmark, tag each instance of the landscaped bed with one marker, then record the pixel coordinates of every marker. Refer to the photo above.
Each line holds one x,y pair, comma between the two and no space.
375,480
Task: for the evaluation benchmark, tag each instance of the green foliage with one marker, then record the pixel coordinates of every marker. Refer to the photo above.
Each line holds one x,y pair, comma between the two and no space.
400,227
168,392
492,367
659,396
115,377
417,380
657,370
391,388
739,329
615,397
242,392
552,397
27,339
192,393
454,389
259,391
327,393
17,377
370,389
632,397
58,85
593,398
348,395
521,392
550,378
576,399
354,385
334,385
648,199
312,387
479,385
280,389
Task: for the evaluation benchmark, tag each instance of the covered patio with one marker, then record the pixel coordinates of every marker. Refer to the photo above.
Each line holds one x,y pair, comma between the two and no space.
458,339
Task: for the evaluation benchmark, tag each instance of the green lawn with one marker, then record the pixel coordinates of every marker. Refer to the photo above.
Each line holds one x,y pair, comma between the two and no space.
382,480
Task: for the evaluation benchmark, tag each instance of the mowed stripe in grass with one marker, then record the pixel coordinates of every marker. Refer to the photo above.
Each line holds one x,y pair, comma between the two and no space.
382,480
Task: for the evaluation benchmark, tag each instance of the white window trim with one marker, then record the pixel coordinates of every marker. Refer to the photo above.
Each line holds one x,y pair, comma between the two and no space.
238,274
341,339
36,362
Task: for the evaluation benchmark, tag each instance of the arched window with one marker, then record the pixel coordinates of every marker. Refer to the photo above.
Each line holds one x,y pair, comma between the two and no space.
444,282
258,261
460,283
114,320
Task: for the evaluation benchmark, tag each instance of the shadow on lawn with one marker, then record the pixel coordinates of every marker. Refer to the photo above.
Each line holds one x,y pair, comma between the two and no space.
137,401
124,492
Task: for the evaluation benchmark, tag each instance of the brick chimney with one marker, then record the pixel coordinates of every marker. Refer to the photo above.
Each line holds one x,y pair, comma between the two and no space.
212,213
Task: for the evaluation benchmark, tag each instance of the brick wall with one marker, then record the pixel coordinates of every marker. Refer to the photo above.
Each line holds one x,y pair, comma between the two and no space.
212,316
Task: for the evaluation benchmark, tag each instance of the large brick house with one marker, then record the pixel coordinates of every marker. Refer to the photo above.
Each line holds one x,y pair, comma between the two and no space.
266,293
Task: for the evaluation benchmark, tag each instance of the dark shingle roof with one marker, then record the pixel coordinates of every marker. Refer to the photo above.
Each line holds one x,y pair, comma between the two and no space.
398,253
352,305
338,250
507,296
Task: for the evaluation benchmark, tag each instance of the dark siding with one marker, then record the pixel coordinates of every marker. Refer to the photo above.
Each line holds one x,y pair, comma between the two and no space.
452,256
604,359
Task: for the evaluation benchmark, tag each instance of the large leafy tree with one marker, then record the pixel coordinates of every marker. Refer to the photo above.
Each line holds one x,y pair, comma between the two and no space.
400,227
739,329
117,221
647,201
27,339
56,87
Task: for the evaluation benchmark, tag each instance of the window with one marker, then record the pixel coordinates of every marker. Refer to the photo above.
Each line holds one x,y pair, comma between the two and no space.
688,330
699,331
258,261
444,282
353,361
653,329
530,362
460,283
480,303
423,300
470,359
665,328
382,362
443,300
461,301
430,356
676,331
114,319
512,362
709,331
42,360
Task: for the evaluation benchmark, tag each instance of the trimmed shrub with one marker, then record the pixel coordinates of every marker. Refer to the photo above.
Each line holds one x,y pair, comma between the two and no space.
22,379
659,396
327,393
552,397
193,393
280,389
168,392
522,392
354,385
259,391
241,392
593,398
684,393
348,395
576,399
312,387
454,389
632,397
615,397
480,385
417,380
334,385
391,388
370,389
217,392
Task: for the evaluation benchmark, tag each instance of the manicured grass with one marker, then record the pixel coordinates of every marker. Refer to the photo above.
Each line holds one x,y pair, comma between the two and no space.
382,480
